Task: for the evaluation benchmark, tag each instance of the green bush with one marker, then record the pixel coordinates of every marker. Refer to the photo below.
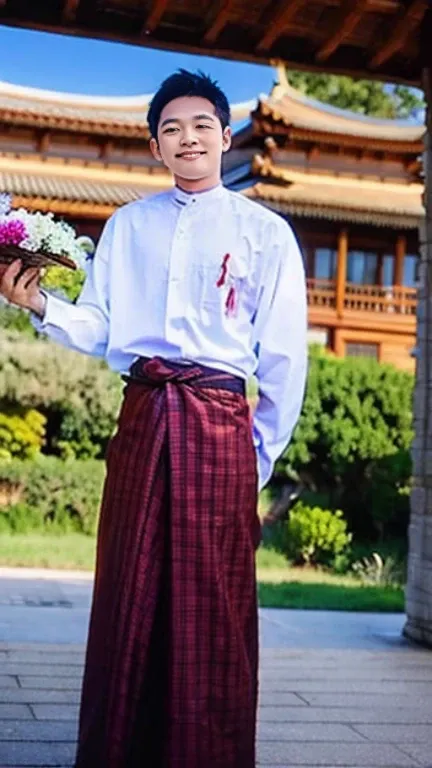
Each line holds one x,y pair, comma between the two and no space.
316,536
50,494
21,434
20,518
14,319
352,442
78,395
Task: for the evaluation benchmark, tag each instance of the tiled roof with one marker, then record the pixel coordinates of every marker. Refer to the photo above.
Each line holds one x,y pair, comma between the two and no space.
294,109
74,189
117,115
358,201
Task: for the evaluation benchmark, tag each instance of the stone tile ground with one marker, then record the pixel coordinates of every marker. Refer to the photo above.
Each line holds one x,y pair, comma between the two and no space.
336,690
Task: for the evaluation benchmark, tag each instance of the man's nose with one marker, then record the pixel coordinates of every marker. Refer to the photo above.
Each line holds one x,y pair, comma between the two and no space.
188,138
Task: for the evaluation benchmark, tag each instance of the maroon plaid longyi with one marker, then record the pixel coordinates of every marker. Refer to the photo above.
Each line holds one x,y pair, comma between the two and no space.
171,669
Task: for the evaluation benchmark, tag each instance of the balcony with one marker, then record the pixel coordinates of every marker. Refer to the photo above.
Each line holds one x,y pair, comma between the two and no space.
367,307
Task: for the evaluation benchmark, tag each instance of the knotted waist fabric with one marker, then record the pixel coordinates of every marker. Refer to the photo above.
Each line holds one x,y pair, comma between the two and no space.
171,669
157,373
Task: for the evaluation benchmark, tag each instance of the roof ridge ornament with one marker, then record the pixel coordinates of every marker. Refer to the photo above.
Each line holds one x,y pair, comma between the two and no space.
281,84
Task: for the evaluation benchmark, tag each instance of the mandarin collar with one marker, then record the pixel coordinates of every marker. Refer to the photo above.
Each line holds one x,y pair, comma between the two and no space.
180,197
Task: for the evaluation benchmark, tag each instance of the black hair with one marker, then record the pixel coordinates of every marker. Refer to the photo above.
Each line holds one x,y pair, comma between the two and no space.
184,83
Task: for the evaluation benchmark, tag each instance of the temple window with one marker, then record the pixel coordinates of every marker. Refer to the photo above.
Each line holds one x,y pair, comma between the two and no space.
362,267
325,263
388,270
410,271
359,349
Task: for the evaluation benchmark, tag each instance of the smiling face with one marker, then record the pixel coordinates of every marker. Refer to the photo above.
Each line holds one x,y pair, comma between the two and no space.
190,142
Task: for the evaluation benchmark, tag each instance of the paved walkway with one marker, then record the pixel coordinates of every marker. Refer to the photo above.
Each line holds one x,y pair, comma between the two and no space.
337,689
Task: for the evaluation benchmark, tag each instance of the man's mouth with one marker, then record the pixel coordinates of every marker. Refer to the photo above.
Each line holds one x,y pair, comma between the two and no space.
190,155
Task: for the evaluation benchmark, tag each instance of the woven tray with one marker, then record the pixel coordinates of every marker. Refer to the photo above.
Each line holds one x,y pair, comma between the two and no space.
9,253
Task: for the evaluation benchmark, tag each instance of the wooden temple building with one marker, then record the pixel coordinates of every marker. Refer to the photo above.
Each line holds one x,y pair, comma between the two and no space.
351,186
385,39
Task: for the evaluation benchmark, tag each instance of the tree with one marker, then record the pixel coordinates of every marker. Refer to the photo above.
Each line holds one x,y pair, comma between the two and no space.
351,445
367,97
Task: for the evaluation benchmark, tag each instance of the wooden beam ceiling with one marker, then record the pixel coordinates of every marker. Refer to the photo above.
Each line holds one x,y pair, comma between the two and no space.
216,19
70,9
406,22
385,6
277,22
350,14
152,21
199,28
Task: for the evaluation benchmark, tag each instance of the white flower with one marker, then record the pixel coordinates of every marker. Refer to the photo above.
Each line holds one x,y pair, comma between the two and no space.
57,237
5,203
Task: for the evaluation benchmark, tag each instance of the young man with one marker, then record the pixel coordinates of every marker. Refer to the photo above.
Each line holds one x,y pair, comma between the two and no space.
190,293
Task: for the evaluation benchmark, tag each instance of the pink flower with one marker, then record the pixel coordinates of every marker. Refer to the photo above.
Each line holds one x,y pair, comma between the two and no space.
12,232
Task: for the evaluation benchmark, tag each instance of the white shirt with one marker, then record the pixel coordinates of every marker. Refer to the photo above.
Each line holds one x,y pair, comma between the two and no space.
210,277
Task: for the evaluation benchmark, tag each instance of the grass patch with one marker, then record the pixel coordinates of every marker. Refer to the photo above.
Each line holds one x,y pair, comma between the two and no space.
279,585
271,559
330,597
282,586
73,551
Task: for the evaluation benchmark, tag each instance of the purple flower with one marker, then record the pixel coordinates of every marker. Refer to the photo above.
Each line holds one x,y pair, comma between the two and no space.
12,232
5,203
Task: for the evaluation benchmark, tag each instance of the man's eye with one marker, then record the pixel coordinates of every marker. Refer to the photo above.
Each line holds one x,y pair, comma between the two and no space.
202,125
170,130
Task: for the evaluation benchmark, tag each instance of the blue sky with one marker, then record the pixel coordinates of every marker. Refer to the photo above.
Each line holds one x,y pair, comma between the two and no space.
95,67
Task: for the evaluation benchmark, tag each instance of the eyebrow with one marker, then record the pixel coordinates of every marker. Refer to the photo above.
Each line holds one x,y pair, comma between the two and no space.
204,116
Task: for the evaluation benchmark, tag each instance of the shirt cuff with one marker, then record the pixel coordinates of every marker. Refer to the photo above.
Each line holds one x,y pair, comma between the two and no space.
264,466
54,310
36,321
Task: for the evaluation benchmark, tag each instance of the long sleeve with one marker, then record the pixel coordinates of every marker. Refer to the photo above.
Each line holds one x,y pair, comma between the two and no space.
83,326
282,354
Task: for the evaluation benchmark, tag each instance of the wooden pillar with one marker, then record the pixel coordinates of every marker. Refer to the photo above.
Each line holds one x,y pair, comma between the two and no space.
401,246
44,142
341,271
419,586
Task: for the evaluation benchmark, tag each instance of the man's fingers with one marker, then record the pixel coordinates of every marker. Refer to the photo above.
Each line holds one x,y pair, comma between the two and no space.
18,286
7,283
14,268
30,276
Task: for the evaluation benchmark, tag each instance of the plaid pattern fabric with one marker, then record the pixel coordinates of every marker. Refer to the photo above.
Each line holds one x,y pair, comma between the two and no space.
171,670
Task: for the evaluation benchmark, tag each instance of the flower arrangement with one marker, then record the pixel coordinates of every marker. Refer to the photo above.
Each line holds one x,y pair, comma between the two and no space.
38,239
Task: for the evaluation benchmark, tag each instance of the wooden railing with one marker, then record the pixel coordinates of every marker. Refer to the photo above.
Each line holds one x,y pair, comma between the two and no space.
363,298
321,293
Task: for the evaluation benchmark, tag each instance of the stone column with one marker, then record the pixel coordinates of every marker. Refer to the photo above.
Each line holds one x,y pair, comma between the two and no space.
419,587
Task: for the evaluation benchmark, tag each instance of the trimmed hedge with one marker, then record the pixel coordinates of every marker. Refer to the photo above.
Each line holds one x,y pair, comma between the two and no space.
48,493
78,395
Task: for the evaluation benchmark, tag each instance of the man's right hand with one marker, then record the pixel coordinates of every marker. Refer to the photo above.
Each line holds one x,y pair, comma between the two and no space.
24,291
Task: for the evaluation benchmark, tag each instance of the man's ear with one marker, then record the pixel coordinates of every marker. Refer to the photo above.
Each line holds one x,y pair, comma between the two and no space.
154,148
226,139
